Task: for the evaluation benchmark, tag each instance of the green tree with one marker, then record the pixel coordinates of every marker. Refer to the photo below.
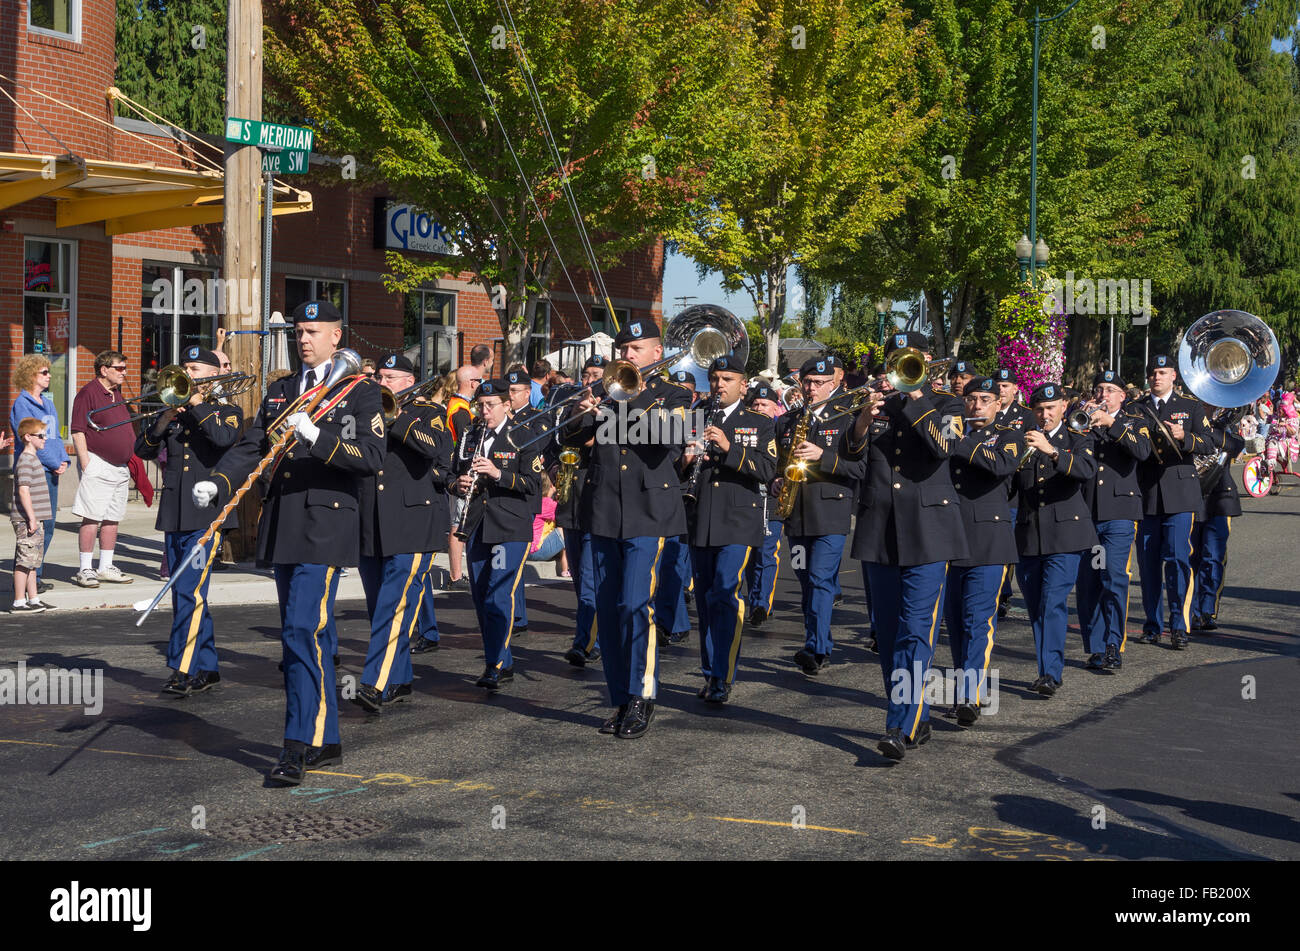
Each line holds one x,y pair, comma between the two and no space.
1240,109
824,96
626,89
171,57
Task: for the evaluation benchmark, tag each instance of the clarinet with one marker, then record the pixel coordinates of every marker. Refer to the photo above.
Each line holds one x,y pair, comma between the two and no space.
762,491
460,530
693,481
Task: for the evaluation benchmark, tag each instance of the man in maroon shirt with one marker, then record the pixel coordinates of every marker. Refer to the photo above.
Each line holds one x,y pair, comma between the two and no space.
102,460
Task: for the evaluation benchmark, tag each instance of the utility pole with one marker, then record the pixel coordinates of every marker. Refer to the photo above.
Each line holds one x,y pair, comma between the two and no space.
241,255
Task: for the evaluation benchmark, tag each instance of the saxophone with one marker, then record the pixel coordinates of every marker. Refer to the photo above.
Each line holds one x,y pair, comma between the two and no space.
794,472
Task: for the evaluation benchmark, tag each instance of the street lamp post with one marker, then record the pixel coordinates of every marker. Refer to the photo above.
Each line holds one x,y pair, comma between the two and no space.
884,307
1032,257
1038,22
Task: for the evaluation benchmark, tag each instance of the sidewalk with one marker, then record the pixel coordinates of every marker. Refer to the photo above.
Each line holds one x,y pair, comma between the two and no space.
139,554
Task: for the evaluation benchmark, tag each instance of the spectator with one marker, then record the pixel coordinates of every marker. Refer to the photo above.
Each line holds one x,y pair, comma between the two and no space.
548,541
481,359
368,367
541,370
459,418
31,508
32,374
102,460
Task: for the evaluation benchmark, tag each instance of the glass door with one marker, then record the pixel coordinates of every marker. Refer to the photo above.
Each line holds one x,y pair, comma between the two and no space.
47,314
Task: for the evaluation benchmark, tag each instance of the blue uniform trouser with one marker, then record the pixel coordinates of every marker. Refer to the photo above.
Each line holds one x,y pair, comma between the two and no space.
393,592
1102,595
1045,581
309,642
866,587
764,566
427,626
905,604
1004,596
971,608
496,572
670,595
1209,559
521,600
578,546
627,577
1165,541
720,602
191,647
818,581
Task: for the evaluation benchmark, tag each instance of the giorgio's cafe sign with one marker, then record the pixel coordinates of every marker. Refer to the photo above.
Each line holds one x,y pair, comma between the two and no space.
402,227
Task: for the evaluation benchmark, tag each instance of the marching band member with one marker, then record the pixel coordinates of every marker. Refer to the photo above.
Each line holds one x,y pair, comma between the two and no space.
1120,442
631,504
499,525
823,507
310,525
765,565
534,421
983,463
1210,534
1011,413
737,455
577,543
1053,527
195,435
960,372
675,568
1171,499
459,417
909,527
402,512
426,635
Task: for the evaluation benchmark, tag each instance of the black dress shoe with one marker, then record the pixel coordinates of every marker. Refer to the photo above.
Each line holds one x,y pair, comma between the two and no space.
610,726
720,692
368,699
759,616
576,656
422,645
1207,624
288,772
43,586
967,714
1045,686
518,630
708,686
1196,622
394,693
690,597
637,719
1003,611
1114,661
204,680
872,645
810,663
177,684
1097,663
923,734
677,637
494,678
318,757
1149,637
1178,640
892,745
837,600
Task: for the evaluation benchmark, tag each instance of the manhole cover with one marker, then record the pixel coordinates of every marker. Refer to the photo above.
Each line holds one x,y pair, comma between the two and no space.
297,827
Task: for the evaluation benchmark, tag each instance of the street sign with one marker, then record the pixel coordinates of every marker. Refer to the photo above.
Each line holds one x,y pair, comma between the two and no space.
285,162
253,132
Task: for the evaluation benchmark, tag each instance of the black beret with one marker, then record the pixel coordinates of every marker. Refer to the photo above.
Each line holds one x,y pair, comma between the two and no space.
595,361
199,355
492,388
821,366
960,366
1003,375
643,328
728,363
518,378
683,377
763,392
1108,376
1159,362
320,311
980,384
877,369
1046,393
395,361
909,339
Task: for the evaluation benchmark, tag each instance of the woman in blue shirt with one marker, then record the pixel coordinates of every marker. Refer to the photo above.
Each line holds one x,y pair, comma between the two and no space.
32,374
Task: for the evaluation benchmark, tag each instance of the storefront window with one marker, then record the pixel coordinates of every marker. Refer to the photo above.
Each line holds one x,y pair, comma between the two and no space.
429,331
299,290
540,344
601,324
47,312
177,310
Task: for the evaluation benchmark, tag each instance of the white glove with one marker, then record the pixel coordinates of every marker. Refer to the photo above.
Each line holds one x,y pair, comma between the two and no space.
307,430
204,493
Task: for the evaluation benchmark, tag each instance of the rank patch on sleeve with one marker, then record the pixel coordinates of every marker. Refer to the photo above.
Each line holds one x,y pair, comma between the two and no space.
436,423
377,424
537,464
771,448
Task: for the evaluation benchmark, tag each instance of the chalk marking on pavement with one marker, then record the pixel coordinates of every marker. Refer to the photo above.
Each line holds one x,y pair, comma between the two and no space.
96,749
121,838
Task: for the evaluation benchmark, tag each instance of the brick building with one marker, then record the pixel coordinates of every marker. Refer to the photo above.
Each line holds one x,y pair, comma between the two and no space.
97,210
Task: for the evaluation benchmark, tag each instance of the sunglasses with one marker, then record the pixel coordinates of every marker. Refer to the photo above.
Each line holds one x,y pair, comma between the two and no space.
38,435
121,369
45,372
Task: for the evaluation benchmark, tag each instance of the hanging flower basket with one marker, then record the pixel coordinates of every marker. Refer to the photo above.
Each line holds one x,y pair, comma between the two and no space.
1031,337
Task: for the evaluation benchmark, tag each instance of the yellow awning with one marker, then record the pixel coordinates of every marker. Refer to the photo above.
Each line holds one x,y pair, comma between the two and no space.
126,197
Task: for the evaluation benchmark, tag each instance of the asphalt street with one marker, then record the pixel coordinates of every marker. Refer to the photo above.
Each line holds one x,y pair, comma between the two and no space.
1180,755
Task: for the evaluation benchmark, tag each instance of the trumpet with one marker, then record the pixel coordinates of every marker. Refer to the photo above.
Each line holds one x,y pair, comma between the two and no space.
1079,419
175,388
564,479
393,402
344,364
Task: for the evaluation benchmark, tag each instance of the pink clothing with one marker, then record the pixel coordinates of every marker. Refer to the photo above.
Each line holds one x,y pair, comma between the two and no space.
539,523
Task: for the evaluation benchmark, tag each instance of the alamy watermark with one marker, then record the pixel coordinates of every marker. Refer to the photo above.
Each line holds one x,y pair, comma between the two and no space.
53,687
945,687
213,295
1102,296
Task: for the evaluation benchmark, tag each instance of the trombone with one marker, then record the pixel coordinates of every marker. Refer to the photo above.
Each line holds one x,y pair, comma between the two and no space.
394,402
175,388
906,370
